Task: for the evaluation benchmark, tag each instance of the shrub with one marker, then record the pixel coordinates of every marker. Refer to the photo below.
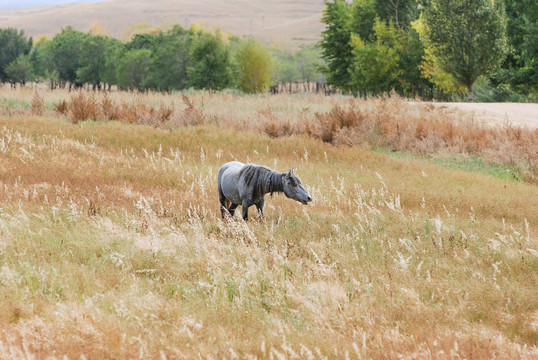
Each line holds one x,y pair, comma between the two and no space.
191,115
38,104
109,109
83,107
62,107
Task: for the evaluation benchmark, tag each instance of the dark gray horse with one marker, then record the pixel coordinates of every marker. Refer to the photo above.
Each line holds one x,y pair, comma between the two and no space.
246,185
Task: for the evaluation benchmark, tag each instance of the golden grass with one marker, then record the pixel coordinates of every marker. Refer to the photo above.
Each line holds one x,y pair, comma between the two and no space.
392,123
112,246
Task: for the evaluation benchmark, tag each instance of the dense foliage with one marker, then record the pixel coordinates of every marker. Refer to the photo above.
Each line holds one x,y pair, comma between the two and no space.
162,60
254,64
437,46
13,44
468,38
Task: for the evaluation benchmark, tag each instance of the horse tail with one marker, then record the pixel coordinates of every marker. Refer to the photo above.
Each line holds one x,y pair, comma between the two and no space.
223,200
219,179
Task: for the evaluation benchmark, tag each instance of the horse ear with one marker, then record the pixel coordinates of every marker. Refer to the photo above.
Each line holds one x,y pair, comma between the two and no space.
291,171
289,174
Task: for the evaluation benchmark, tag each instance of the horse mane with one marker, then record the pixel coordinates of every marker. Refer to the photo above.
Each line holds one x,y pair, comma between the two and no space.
261,179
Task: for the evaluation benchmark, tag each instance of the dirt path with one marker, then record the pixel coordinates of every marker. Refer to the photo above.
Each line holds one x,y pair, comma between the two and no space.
517,114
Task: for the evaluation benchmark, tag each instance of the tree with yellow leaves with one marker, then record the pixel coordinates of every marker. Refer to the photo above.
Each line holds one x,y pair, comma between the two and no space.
431,67
466,38
255,65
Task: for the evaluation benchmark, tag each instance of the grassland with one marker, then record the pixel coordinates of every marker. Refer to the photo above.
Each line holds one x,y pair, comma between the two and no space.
112,245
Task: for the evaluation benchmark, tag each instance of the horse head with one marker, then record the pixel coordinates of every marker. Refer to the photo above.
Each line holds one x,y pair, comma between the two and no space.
294,189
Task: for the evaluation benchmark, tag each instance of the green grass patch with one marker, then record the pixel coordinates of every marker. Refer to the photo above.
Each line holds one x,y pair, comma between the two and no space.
469,163
13,104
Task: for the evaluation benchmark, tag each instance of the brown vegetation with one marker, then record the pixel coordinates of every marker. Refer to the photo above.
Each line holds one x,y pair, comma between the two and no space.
390,123
90,106
112,244
38,105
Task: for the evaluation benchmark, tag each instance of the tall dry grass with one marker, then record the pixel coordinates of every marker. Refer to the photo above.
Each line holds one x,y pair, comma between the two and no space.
112,246
389,123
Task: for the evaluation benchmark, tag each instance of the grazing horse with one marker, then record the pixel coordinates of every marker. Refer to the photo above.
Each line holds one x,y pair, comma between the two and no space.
246,185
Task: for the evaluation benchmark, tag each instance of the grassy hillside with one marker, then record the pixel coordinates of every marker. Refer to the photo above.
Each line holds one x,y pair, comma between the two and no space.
297,21
112,244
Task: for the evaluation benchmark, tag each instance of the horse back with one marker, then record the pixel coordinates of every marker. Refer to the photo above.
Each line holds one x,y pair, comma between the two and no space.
228,165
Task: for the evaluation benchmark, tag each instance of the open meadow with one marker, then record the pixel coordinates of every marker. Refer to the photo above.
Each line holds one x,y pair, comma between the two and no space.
421,241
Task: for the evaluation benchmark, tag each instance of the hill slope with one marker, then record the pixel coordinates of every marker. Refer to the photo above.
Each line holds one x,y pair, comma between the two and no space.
298,21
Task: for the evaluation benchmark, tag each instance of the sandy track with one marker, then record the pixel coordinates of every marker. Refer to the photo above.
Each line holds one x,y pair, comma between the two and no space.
499,114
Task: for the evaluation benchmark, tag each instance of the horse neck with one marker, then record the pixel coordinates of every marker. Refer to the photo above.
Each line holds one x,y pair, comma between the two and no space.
276,182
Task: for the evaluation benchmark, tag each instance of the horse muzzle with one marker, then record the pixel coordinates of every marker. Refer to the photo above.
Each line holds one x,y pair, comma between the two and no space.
305,202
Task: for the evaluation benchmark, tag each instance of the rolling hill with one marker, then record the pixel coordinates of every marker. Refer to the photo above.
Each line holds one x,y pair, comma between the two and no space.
275,20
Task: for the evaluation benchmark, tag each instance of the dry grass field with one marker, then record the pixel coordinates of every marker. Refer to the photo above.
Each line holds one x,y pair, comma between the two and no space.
112,244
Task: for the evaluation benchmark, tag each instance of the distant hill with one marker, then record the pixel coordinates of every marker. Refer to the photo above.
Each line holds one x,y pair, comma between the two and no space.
19,4
281,20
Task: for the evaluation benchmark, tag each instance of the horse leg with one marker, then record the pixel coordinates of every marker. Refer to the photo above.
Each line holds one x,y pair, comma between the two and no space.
244,207
259,207
232,208
223,205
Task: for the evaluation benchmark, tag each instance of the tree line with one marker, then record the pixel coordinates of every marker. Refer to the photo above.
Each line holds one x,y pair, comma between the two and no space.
163,61
418,47
425,48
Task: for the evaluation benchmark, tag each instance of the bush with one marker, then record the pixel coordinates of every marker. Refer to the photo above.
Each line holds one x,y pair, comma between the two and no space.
38,104
83,107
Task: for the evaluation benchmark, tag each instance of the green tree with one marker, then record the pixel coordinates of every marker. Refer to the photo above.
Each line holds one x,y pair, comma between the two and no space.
467,38
302,64
170,59
42,57
143,41
210,63
364,14
411,52
400,12
13,43
113,54
285,68
350,45
66,48
254,66
375,65
133,69
430,67
388,60
37,56
307,62
92,60
336,48
520,67
20,70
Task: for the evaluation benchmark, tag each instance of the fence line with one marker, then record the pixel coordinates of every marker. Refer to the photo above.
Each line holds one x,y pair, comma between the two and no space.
295,87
